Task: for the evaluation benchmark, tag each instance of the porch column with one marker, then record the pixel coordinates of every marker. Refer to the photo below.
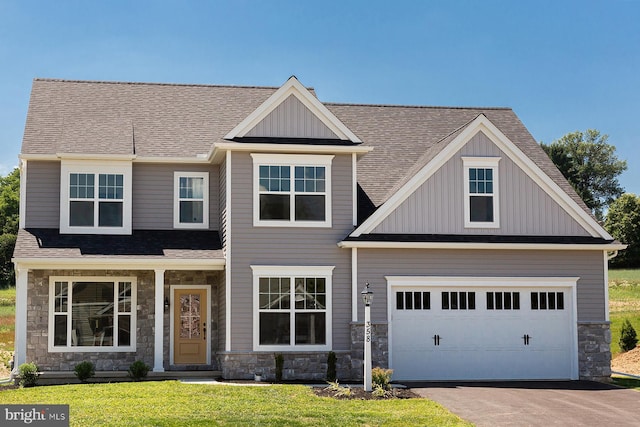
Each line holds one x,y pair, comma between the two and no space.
20,346
158,353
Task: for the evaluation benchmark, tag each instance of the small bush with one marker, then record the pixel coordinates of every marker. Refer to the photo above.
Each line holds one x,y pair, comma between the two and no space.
331,366
279,367
85,370
28,374
138,370
628,337
381,377
338,390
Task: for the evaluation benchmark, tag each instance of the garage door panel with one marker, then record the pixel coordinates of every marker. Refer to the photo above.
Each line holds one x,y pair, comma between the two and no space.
487,342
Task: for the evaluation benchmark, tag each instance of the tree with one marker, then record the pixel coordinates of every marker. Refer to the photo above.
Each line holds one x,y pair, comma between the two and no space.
623,223
591,166
9,217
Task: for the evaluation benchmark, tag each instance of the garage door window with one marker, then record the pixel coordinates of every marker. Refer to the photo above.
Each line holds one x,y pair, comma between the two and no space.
458,300
547,300
503,300
413,300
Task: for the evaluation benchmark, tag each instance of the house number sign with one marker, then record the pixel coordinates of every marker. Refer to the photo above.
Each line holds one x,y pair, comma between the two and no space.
367,331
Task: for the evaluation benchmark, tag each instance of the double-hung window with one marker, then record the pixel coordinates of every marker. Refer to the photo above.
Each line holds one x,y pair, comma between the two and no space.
292,190
95,198
292,308
92,314
481,192
191,200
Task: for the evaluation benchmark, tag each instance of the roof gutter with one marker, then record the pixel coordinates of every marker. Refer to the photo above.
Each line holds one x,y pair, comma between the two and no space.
470,246
83,263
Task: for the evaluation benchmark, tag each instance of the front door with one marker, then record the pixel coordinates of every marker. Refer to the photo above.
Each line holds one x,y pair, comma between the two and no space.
190,326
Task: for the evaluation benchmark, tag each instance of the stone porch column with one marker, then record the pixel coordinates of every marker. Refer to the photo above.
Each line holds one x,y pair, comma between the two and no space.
158,345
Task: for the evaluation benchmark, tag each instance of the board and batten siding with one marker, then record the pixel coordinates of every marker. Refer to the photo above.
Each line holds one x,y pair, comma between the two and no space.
291,119
288,246
437,207
153,194
43,194
375,264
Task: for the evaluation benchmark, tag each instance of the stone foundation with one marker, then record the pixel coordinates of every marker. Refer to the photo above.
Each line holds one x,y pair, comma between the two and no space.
379,348
594,353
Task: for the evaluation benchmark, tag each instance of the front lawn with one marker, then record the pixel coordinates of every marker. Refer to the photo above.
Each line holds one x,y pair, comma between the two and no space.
172,403
624,303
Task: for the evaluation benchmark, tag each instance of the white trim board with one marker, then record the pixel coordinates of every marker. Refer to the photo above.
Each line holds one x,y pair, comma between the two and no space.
473,245
293,87
483,124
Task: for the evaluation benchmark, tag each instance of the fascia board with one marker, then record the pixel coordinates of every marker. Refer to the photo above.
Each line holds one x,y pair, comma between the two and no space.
293,87
483,246
289,148
125,264
482,123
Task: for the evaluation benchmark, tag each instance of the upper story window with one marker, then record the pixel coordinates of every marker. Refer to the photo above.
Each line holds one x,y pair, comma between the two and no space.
292,190
95,198
191,200
481,192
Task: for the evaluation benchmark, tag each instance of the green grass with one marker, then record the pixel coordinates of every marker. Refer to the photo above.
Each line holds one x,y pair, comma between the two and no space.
624,303
171,403
7,318
627,382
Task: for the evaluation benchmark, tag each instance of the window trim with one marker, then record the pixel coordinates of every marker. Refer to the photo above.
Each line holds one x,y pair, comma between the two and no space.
91,349
176,200
291,160
261,271
67,167
486,163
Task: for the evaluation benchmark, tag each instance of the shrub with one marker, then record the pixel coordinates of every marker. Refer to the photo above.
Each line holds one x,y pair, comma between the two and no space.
85,370
28,374
628,337
279,366
338,390
381,377
138,370
331,366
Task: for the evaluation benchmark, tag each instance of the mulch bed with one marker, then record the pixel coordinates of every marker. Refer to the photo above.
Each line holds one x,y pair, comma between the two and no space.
358,393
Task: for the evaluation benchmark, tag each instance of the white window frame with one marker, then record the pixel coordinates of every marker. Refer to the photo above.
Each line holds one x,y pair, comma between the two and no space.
485,163
95,168
93,349
325,272
176,200
291,160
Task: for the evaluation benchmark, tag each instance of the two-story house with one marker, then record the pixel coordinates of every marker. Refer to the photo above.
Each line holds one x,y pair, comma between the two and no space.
211,227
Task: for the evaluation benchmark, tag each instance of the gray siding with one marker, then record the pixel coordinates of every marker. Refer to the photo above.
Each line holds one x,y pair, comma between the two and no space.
153,194
43,194
288,246
375,264
438,205
291,119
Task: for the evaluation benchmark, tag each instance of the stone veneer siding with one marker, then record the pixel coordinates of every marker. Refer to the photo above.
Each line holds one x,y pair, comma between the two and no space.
38,319
594,351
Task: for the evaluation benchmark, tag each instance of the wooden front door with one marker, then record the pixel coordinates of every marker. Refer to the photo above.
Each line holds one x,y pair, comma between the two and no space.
190,326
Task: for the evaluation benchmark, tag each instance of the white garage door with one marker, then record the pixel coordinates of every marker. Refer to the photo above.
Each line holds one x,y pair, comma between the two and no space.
482,333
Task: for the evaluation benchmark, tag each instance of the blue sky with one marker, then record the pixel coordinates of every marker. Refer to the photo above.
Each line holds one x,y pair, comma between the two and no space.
561,65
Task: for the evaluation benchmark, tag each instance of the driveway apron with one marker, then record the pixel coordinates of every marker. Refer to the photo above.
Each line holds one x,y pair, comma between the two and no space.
536,403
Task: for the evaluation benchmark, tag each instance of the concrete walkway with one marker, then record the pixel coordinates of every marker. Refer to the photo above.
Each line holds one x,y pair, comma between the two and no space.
541,403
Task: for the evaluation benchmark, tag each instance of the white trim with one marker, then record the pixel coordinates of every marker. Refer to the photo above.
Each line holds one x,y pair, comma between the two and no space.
293,87
83,157
211,264
354,284
205,200
292,160
96,167
470,245
23,194
158,315
207,322
20,346
292,271
606,285
481,123
486,163
495,282
93,349
354,189
227,271
288,148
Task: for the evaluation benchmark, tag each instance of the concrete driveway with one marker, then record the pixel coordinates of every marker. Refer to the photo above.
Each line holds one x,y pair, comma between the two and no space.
536,403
